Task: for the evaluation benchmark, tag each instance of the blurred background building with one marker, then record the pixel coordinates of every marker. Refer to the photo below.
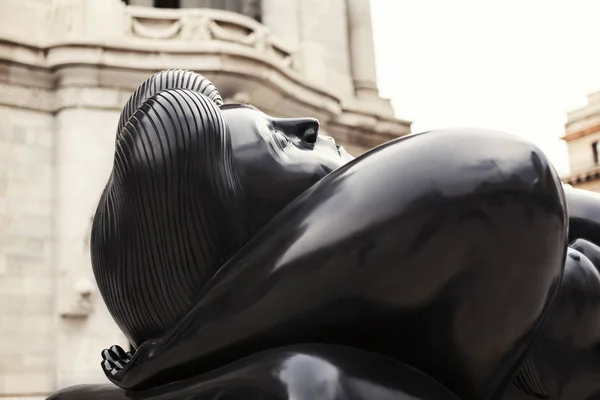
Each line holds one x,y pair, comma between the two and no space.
582,137
66,69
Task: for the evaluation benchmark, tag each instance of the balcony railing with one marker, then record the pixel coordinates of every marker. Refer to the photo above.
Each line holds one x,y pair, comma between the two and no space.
199,26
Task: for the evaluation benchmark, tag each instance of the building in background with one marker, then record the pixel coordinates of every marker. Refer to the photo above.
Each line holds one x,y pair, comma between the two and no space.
66,69
583,138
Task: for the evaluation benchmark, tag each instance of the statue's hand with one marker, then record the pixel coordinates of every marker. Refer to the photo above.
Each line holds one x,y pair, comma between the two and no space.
131,370
114,361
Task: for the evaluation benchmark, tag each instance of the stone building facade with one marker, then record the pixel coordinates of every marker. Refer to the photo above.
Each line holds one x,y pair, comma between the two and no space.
583,139
66,69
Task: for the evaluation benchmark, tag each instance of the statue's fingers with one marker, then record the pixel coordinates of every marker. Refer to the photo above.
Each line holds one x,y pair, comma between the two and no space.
111,372
118,350
113,358
106,355
108,366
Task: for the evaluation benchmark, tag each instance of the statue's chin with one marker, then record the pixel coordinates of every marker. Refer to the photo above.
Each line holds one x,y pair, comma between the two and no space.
346,157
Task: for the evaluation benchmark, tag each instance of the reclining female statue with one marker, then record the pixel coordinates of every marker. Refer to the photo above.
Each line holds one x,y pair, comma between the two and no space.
249,257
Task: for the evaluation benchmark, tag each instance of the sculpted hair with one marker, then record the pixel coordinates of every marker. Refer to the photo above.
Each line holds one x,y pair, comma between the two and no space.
172,212
168,79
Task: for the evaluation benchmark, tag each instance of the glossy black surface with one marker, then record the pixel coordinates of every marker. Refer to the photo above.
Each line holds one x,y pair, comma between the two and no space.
187,190
564,362
278,159
224,233
360,260
308,372
584,215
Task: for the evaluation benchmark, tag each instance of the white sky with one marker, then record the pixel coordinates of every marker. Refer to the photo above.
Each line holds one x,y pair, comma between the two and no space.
511,65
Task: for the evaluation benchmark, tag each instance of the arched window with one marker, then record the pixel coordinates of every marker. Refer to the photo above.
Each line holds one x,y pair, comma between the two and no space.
249,8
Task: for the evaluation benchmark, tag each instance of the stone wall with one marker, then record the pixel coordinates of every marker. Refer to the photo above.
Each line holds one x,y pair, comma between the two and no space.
324,44
84,151
593,185
581,155
27,276
582,131
56,149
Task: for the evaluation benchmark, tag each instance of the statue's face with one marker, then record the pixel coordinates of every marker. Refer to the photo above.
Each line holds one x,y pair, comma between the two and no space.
278,158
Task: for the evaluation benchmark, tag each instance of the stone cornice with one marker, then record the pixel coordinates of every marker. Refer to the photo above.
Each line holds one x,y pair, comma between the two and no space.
581,133
27,97
212,59
587,175
580,115
369,124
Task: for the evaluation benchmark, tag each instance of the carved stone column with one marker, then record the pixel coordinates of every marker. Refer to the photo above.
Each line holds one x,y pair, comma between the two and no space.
362,55
282,19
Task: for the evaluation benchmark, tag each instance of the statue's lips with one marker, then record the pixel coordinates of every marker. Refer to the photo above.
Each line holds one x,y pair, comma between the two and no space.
340,150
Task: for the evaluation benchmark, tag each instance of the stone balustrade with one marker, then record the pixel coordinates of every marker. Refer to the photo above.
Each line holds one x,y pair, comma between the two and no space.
201,26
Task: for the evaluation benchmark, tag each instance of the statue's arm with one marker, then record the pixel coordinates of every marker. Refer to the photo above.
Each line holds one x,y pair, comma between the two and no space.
414,234
303,372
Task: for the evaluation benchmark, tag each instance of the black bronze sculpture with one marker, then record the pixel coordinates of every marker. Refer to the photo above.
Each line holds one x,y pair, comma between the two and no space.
249,257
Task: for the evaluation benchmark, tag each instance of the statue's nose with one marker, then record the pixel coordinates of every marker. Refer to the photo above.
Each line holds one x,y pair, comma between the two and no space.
307,129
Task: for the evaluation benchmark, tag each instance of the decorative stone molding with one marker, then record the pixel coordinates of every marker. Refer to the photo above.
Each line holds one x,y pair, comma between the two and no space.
582,119
27,97
202,25
45,100
156,30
